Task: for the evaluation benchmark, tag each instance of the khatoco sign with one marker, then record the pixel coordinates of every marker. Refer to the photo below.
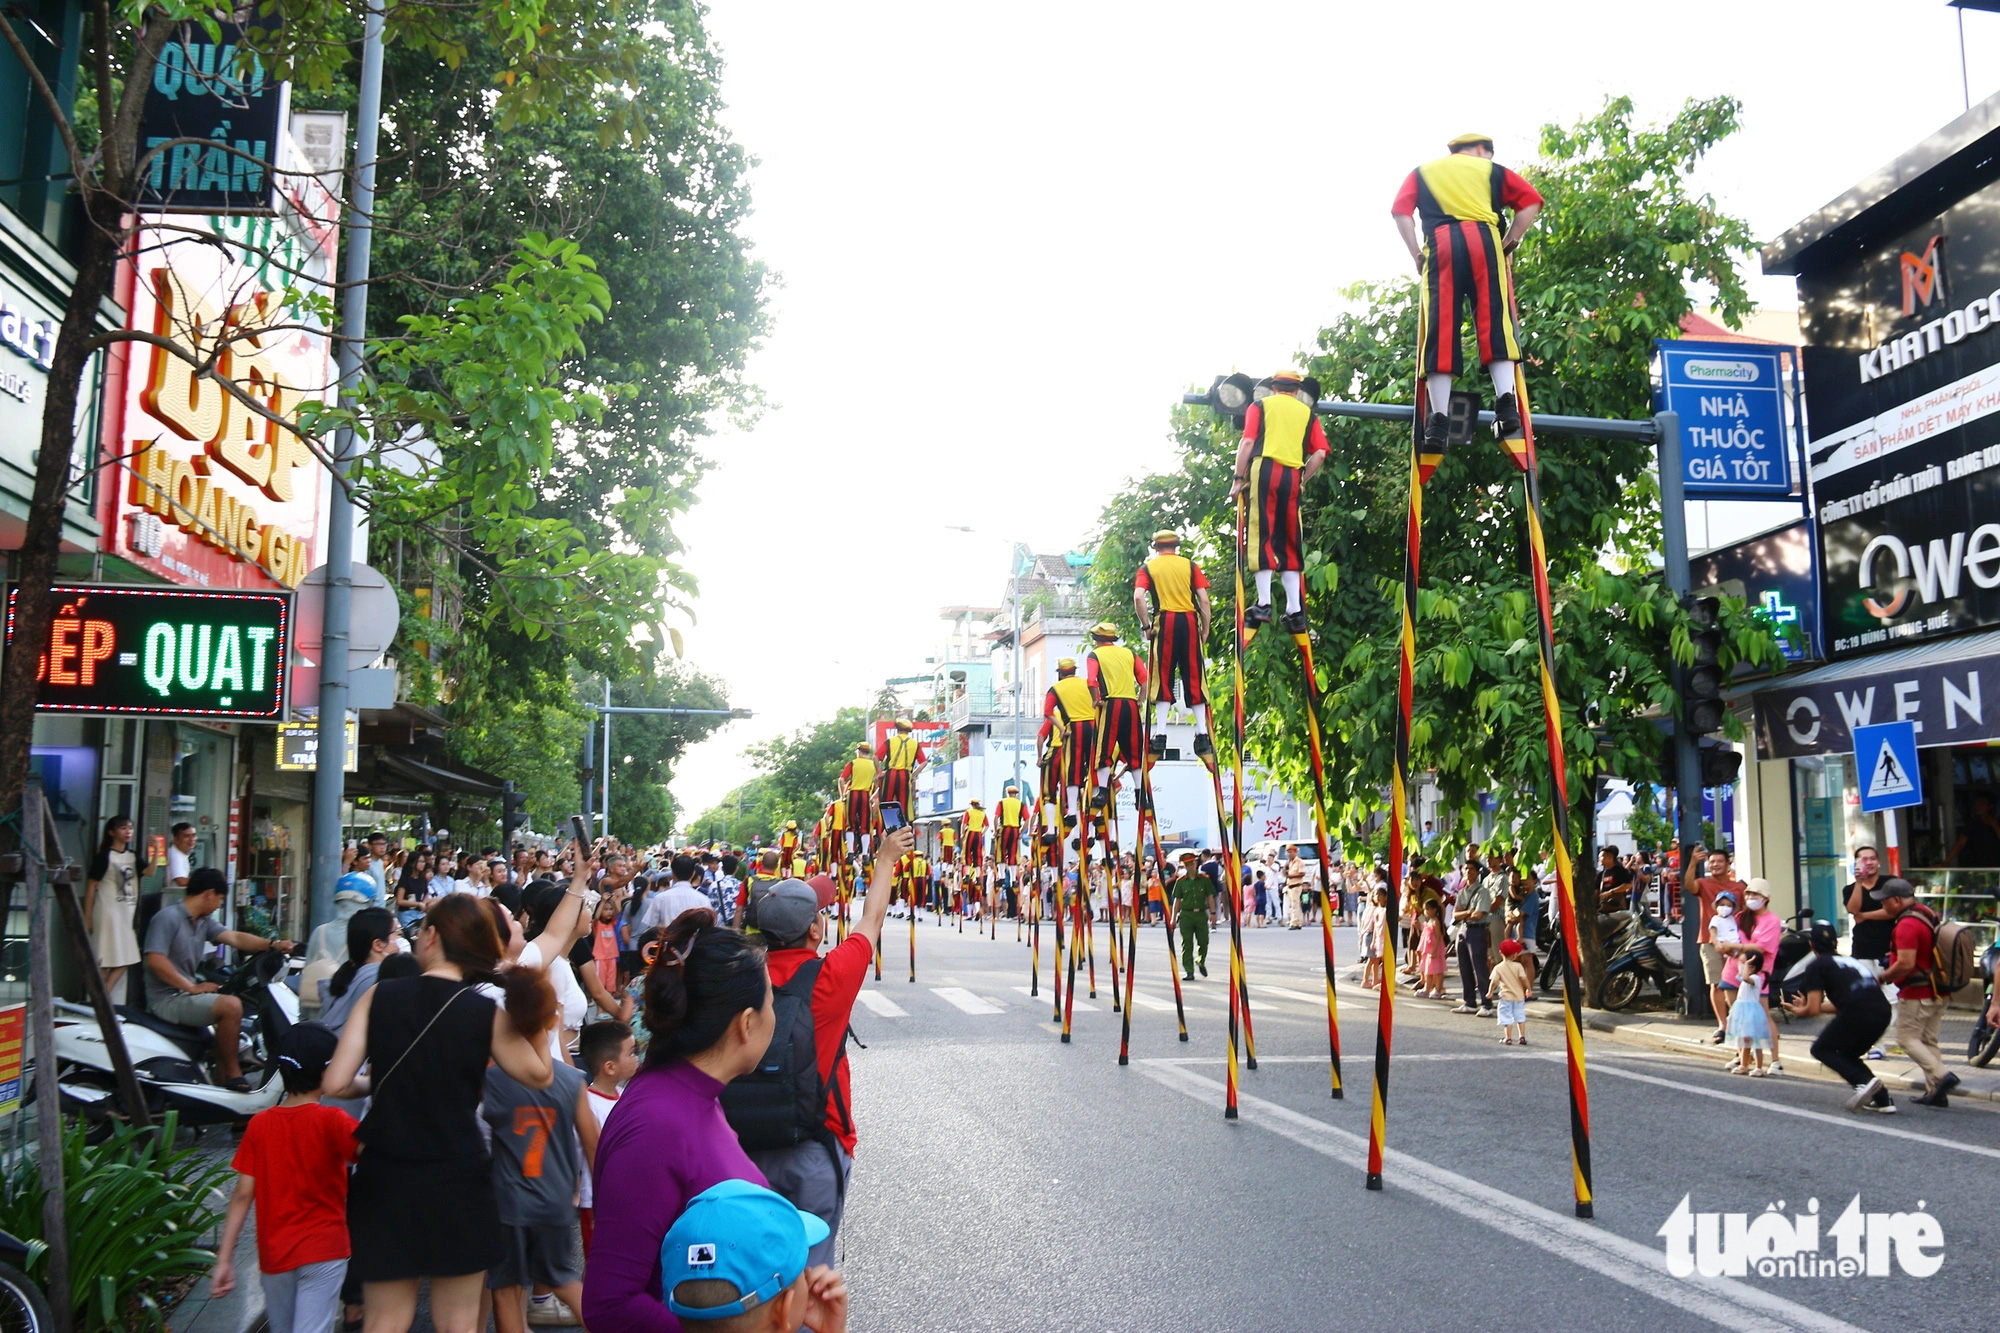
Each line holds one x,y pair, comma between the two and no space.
1905,456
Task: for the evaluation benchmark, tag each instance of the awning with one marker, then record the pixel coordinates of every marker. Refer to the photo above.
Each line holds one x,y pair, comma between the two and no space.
401,773
1949,687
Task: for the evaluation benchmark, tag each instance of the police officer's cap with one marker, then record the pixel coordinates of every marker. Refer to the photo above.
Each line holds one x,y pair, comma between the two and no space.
1166,537
1470,140
1104,629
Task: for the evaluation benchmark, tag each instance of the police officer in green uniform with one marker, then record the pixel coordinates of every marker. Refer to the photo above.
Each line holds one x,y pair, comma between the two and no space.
1191,893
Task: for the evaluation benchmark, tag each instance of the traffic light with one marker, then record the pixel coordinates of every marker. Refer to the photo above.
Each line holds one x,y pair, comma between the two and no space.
1719,767
513,813
1702,708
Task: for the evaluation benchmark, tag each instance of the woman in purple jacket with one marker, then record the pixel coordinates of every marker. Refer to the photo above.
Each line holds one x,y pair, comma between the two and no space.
709,1012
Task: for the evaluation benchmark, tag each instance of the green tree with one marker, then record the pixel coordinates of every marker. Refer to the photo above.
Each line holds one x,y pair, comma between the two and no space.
1607,271
483,369
745,814
802,770
645,747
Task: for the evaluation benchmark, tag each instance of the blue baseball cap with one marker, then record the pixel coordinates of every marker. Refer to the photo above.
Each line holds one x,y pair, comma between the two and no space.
742,1234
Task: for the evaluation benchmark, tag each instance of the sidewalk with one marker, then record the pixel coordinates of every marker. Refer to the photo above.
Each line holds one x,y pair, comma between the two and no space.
1686,1036
242,1309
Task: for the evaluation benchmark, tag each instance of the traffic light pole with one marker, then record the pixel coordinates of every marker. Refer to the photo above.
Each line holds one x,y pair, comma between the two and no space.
1687,756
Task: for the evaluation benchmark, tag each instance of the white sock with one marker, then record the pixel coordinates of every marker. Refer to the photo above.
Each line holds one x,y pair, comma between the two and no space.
1290,578
1440,387
1503,377
1263,587
1103,778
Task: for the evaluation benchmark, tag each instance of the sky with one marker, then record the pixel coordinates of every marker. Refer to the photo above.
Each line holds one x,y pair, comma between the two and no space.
1009,237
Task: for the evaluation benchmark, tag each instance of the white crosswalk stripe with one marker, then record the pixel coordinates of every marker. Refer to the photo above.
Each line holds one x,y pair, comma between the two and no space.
1140,997
1047,996
882,1006
960,998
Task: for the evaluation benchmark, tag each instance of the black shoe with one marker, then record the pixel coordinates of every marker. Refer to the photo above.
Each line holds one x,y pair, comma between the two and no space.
1187,976
1204,968
1257,617
1437,432
1098,799
1937,1101
1951,1081
1156,746
1295,623
1507,417
1203,746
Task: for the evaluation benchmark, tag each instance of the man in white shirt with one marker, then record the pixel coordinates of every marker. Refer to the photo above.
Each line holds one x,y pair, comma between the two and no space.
664,908
178,864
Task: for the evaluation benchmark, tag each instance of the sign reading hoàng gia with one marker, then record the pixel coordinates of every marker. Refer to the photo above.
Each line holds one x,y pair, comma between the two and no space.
163,651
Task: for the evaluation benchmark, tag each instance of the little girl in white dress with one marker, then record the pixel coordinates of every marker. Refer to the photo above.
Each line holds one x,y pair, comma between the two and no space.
1749,1020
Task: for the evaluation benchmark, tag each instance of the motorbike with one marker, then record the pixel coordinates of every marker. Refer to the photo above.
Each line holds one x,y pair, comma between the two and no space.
23,1307
1632,957
174,1063
1985,1043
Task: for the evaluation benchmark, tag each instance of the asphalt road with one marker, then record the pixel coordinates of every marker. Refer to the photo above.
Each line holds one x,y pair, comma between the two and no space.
1007,1181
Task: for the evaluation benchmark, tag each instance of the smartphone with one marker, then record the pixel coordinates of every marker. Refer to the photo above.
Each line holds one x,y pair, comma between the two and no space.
581,834
892,816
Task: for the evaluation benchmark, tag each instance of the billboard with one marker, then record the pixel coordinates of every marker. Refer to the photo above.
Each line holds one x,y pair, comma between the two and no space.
209,132
158,651
211,491
1903,383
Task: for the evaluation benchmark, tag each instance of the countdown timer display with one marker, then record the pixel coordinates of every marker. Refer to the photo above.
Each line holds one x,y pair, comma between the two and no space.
167,652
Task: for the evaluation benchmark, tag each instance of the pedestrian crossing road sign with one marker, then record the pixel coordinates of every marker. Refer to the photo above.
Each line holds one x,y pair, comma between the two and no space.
1885,762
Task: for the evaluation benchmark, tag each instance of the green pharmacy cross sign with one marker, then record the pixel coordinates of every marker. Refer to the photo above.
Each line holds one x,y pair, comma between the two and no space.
158,651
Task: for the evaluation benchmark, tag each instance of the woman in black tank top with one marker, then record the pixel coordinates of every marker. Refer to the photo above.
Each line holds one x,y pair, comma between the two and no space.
420,1204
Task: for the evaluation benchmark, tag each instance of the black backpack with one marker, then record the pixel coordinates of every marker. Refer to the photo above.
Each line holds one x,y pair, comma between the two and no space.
782,1102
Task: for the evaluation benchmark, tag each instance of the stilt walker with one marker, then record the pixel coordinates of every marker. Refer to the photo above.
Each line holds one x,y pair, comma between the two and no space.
1233,838
1464,260
1327,893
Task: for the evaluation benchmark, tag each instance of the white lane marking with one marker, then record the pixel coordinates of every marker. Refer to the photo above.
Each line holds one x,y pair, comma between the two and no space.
1721,1301
882,1006
1321,1059
1864,1121
1151,1001
1288,994
1083,1006
961,998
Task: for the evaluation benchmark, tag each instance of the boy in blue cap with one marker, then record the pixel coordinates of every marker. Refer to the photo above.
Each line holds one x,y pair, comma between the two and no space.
735,1262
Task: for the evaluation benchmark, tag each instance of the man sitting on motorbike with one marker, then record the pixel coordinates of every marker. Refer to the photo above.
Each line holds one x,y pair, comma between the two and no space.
176,942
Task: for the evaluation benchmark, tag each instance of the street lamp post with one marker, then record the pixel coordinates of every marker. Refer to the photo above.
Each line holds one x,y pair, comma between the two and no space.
605,711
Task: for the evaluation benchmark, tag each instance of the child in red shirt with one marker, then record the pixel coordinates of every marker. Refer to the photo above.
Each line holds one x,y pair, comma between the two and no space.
292,1163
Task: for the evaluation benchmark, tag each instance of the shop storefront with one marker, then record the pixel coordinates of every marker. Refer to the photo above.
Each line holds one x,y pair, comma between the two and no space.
1899,288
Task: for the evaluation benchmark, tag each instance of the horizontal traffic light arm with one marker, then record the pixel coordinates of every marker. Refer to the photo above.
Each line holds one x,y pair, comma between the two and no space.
1608,428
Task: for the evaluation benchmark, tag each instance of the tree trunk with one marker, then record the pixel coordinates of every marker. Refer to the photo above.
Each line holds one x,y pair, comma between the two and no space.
105,211
35,563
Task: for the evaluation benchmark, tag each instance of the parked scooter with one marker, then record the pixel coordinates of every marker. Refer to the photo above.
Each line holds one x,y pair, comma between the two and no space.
175,1064
1632,957
1985,1043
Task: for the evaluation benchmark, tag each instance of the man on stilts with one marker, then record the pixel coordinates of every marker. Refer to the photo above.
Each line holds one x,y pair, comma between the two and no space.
1457,200
857,786
1283,448
1008,818
1069,700
1170,596
788,848
899,758
1115,675
973,840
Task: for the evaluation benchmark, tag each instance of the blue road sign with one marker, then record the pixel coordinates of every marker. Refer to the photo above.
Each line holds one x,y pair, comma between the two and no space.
1885,763
1731,400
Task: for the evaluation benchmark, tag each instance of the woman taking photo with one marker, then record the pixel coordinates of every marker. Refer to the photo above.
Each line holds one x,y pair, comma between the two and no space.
709,1013
421,1203
111,902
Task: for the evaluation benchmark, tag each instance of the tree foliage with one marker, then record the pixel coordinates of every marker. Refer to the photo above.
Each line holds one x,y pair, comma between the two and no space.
1607,271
